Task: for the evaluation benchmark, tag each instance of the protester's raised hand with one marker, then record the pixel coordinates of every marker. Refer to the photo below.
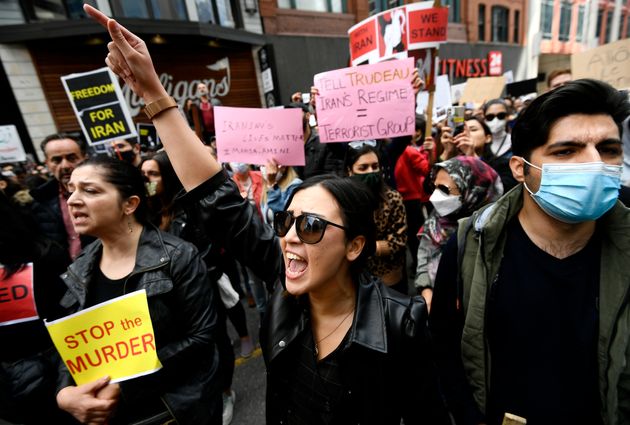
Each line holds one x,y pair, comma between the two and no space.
129,58
416,82
82,403
272,168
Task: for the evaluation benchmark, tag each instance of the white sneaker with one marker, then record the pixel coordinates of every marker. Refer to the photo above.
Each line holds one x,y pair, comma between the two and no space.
228,407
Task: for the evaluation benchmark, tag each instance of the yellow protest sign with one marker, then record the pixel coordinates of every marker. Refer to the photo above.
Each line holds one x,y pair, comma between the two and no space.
114,338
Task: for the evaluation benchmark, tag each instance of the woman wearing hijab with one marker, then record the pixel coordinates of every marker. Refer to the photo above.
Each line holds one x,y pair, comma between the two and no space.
462,185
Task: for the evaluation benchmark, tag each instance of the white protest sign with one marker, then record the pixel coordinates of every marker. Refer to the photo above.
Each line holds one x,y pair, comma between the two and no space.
11,149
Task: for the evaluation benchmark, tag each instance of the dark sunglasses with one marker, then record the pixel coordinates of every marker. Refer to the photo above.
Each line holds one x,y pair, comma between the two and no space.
309,228
500,115
444,189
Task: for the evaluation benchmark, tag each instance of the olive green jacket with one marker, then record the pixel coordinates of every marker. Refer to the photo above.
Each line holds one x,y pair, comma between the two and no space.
481,240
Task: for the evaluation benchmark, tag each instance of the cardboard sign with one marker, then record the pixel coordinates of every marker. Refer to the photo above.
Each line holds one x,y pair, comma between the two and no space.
395,32
17,297
148,137
254,135
427,25
366,102
441,102
11,149
114,338
99,105
609,63
479,90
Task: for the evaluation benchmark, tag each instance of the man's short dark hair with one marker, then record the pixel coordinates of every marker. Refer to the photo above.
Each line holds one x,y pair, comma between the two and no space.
60,136
586,96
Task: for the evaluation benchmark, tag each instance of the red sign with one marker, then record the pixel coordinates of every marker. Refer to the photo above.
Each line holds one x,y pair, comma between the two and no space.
17,300
495,63
363,40
428,25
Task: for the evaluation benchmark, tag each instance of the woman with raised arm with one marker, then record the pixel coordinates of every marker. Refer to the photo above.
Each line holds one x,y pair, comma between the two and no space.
213,201
339,346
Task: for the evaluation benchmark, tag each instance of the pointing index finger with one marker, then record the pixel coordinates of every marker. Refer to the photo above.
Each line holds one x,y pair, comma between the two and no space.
96,14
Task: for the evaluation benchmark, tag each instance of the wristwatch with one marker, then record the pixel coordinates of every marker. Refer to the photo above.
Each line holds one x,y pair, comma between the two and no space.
156,107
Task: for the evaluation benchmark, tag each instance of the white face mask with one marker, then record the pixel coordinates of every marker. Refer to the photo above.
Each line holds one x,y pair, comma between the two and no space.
445,204
496,126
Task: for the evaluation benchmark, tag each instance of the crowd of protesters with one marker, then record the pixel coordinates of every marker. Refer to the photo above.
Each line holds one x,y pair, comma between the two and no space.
455,276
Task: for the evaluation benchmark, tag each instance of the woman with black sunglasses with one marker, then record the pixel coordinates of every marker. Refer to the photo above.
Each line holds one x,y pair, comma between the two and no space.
340,347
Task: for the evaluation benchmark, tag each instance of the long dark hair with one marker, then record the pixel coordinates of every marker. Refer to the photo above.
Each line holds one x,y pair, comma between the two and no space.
162,206
357,205
126,178
353,155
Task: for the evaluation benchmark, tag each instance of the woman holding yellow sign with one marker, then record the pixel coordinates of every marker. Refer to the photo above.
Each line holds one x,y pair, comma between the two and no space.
108,201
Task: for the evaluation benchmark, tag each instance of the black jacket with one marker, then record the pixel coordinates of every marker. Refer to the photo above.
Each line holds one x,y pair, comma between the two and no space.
218,216
322,158
183,313
386,366
47,214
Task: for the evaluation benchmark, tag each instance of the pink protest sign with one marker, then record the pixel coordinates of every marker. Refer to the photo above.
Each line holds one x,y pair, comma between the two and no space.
254,135
366,102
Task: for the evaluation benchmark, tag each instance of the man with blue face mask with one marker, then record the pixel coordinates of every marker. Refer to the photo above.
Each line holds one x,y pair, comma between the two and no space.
531,306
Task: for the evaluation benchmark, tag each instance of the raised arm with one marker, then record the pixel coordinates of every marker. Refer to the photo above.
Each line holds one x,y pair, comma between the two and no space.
129,58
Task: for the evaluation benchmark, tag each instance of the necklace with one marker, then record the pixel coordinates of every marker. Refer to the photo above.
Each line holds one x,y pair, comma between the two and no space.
332,332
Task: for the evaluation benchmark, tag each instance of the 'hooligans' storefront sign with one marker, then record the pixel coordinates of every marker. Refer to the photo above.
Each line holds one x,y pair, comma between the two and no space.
186,89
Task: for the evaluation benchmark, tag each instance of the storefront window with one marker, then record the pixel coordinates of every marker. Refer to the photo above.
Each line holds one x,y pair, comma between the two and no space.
205,12
565,21
130,9
500,16
378,6
546,18
517,26
169,9
453,10
481,22
11,12
580,24
224,10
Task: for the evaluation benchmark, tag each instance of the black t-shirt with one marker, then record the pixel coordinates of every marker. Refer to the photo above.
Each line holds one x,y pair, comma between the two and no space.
103,288
542,327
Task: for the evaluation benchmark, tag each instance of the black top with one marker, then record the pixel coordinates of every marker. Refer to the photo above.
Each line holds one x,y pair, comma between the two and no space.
542,333
317,386
103,288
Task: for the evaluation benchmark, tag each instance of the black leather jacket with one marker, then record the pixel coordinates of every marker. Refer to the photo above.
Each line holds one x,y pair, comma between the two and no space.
218,216
386,366
181,304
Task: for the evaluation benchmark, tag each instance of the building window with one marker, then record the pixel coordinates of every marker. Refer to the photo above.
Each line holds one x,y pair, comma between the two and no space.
628,29
174,10
454,10
622,19
608,26
374,6
517,26
565,21
481,22
600,20
205,11
500,16
334,6
11,12
579,36
546,18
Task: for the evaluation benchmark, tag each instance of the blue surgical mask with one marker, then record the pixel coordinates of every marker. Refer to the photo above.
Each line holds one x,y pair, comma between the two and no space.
577,192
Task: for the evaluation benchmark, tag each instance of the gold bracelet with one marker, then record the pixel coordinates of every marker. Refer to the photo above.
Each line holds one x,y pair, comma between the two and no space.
158,106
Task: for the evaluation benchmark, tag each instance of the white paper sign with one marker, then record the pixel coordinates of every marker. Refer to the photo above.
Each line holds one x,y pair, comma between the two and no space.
11,149
442,99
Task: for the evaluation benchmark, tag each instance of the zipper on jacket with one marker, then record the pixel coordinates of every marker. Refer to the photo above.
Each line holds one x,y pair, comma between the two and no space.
169,409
